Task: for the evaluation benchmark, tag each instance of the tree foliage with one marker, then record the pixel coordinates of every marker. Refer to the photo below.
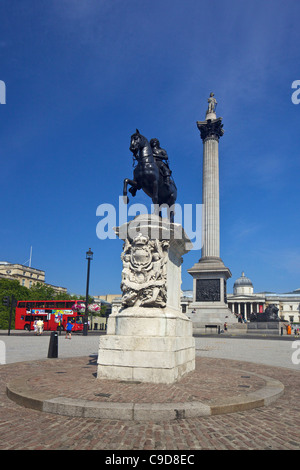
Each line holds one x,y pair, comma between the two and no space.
9,287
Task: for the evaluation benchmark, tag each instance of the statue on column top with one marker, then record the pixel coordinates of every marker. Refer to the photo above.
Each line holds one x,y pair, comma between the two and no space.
212,104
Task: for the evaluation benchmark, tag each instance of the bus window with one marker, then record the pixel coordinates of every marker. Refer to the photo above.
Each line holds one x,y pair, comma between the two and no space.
50,304
60,305
69,305
22,304
29,305
40,305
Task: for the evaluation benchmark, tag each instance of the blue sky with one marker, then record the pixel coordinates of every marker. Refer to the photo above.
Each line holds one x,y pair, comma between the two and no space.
82,75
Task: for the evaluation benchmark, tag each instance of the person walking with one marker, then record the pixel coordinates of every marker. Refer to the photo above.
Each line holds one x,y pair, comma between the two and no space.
39,326
69,328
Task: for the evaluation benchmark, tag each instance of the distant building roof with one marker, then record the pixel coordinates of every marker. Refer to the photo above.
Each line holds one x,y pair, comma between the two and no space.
243,281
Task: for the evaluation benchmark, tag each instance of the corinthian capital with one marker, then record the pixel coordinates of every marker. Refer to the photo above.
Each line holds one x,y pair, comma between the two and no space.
211,129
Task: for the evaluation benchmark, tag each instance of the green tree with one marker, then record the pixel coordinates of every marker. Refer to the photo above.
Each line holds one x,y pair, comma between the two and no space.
41,291
103,310
9,287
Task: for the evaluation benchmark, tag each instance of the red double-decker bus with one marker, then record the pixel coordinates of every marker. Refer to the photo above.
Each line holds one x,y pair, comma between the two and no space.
54,313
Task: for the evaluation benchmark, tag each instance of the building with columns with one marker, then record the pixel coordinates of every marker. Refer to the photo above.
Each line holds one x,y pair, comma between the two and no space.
243,302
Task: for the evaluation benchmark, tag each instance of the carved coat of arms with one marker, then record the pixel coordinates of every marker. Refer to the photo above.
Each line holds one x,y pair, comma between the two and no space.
144,273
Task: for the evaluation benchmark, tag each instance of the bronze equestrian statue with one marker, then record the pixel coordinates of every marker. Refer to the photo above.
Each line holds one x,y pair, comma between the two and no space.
151,174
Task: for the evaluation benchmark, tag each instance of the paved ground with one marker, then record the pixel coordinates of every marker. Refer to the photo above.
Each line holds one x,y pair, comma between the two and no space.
275,351
276,426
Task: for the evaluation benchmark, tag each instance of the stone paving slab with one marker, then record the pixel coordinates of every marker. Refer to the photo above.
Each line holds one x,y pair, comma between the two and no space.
70,387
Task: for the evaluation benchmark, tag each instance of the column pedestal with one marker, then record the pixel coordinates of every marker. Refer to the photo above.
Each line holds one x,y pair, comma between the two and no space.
209,288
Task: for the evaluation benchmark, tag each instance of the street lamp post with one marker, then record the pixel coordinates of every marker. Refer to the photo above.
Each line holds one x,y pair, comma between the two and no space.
89,257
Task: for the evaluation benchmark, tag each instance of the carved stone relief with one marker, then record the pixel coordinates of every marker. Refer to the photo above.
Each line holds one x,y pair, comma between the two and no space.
144,274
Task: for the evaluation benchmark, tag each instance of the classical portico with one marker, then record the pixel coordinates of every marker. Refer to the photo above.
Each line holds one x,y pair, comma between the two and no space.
244,306
244,302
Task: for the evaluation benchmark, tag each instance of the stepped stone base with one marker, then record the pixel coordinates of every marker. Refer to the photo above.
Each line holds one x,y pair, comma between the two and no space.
209,304
265,328
147,345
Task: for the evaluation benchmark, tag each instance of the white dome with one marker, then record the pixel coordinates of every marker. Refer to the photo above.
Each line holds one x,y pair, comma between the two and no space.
243,285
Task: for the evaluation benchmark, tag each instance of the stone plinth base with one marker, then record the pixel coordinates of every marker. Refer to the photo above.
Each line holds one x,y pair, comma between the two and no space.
212,314
264,328
200,328
147,345
209,304
149,339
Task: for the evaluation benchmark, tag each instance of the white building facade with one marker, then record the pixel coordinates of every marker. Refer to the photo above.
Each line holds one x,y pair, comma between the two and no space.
244,302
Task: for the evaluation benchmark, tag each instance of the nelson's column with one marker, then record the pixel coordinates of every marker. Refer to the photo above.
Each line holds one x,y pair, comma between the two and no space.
209,304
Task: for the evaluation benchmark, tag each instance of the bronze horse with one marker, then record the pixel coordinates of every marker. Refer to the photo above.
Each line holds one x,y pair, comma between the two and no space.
146,176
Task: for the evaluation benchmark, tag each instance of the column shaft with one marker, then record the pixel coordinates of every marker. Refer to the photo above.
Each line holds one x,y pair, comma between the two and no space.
211,210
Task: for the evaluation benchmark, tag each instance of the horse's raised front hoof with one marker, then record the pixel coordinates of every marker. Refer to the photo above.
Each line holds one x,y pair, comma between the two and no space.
125,199
133,191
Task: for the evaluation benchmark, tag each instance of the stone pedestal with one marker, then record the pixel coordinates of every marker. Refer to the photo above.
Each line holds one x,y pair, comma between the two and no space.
265,328
209,304
149,339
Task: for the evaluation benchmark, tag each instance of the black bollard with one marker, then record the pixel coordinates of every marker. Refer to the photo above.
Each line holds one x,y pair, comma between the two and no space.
53,345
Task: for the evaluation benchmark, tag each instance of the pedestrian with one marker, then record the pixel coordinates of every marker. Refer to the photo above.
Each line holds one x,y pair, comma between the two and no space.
35,327
69,328
225,326
39,326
